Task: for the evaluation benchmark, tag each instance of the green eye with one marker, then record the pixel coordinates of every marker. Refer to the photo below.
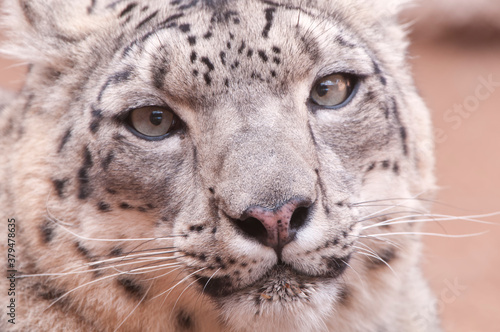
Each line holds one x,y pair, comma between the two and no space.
332,90
152,122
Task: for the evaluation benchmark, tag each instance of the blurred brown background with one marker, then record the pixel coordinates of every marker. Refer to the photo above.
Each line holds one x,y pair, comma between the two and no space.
455,50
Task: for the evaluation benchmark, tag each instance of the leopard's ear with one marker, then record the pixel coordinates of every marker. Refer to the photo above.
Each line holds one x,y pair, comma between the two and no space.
41,31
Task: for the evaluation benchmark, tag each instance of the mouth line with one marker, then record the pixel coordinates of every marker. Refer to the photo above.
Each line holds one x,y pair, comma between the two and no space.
280,276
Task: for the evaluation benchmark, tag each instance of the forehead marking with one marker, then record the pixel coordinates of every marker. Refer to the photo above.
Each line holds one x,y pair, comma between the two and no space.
269,19
146,20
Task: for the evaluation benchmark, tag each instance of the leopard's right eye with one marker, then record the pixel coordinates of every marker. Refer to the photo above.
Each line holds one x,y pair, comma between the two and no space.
333,91
152,122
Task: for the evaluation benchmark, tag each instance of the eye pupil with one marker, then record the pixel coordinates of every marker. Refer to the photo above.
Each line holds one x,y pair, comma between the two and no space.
322,89
156,117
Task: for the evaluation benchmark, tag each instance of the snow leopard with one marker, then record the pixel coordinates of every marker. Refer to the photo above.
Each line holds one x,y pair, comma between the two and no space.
213,165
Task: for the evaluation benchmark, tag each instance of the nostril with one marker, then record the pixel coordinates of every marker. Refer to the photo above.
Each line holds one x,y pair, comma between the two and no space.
299,218
274,227
252,227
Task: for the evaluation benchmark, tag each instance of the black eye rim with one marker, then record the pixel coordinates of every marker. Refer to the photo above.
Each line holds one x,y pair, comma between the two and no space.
355,79
176,127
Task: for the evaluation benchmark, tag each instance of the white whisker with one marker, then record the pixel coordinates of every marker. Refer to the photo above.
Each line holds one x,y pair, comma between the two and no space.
427,234
116,240
439,217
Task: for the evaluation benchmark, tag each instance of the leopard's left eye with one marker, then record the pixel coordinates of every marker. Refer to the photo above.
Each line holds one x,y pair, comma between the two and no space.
332,90
152,122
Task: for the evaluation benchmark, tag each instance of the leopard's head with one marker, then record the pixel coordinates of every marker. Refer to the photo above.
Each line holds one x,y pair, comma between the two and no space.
251,158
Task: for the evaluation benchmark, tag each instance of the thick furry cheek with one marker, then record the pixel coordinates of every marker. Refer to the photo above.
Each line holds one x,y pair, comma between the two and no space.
241,312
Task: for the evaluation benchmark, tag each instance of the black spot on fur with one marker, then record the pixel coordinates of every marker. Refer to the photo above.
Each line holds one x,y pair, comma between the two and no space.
324,195
207,78
276,60
94,126
109,158
116,252
242,47
386,256
226,83
192,40
341,41
111,191
207,35
369,97
47,293
371,167
188,5
127,9
104,207
193,57
184,321
228,45
249,53
377,70
344,295
337,265
90,8
195,73
257,76
132,288
83,175
185,27
158,73
118,77
263,55
269,21
207,63
59,186
96,120
125,206
404,138
64,140
82,250
47,231
146,20
215,286
386,164
395,168
28,13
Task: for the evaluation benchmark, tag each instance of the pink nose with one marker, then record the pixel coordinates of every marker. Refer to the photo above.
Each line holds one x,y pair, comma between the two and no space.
275,228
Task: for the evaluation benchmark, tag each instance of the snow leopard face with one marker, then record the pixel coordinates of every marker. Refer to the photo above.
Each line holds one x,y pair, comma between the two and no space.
217,165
